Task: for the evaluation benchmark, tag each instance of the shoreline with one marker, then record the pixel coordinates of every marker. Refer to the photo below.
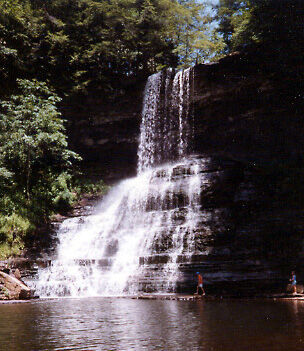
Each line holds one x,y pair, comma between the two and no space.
167,297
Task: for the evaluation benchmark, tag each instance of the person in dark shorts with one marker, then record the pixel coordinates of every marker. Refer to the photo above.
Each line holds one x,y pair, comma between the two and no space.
200,284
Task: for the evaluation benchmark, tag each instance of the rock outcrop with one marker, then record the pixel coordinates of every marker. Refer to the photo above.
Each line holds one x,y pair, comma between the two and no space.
245,108
106,134
12,288
246,118
244,243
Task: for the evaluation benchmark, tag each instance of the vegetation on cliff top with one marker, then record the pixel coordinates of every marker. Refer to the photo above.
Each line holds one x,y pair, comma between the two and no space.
274,26
80,46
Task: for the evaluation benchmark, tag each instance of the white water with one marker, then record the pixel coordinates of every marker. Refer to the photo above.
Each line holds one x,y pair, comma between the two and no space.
165,128
154,213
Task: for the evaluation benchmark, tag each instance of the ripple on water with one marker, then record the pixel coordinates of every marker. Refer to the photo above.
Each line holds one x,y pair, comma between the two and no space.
125,324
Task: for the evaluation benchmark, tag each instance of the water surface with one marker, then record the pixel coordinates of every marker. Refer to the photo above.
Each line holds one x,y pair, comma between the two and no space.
125,324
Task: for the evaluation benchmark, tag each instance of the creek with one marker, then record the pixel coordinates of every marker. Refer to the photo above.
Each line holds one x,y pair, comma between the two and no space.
112,324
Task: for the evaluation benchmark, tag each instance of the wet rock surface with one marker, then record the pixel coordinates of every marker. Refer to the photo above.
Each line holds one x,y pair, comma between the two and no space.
244,243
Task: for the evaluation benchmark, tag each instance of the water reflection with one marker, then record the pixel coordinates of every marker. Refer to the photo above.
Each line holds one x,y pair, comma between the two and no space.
124,324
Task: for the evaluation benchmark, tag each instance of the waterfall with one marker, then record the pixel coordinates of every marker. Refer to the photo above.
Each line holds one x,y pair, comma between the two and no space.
165,128
150,218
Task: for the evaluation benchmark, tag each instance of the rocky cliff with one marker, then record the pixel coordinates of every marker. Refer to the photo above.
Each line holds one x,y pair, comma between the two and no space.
248,111
246,106
106,134
247,121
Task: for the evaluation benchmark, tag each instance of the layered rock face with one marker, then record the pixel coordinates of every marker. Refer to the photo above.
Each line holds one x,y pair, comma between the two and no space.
200,228
247,208
250,113
106,135
240,241
245,108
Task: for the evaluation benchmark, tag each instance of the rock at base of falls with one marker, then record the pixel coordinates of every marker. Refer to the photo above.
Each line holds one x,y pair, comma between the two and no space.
12,288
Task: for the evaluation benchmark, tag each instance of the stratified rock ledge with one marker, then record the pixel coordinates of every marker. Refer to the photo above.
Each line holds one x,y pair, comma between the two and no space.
181,297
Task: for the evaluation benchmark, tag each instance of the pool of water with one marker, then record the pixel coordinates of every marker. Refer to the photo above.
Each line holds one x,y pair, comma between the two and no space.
126,324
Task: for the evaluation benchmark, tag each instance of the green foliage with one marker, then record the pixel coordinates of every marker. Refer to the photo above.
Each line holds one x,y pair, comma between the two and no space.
63,197
196,40
35,162
33,145
80,46
87,186
233,16
102,43
18,26
275,25
278,26
12,225
13,230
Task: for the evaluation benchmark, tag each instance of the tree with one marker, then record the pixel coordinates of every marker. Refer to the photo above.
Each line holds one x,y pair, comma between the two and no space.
274,25
196,39
234,17
102,44
33,145
13,41
278,26
95,46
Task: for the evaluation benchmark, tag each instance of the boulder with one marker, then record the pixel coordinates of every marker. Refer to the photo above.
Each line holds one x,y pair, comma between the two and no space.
13,288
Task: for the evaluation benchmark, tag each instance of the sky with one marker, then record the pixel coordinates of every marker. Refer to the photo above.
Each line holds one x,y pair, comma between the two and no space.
210,7
209,3
212,2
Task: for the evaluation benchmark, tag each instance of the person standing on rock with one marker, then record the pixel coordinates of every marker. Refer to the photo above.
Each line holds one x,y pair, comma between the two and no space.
293,280
200,284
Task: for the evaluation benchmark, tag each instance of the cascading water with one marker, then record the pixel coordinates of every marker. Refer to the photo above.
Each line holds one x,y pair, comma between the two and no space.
165,127
152,215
